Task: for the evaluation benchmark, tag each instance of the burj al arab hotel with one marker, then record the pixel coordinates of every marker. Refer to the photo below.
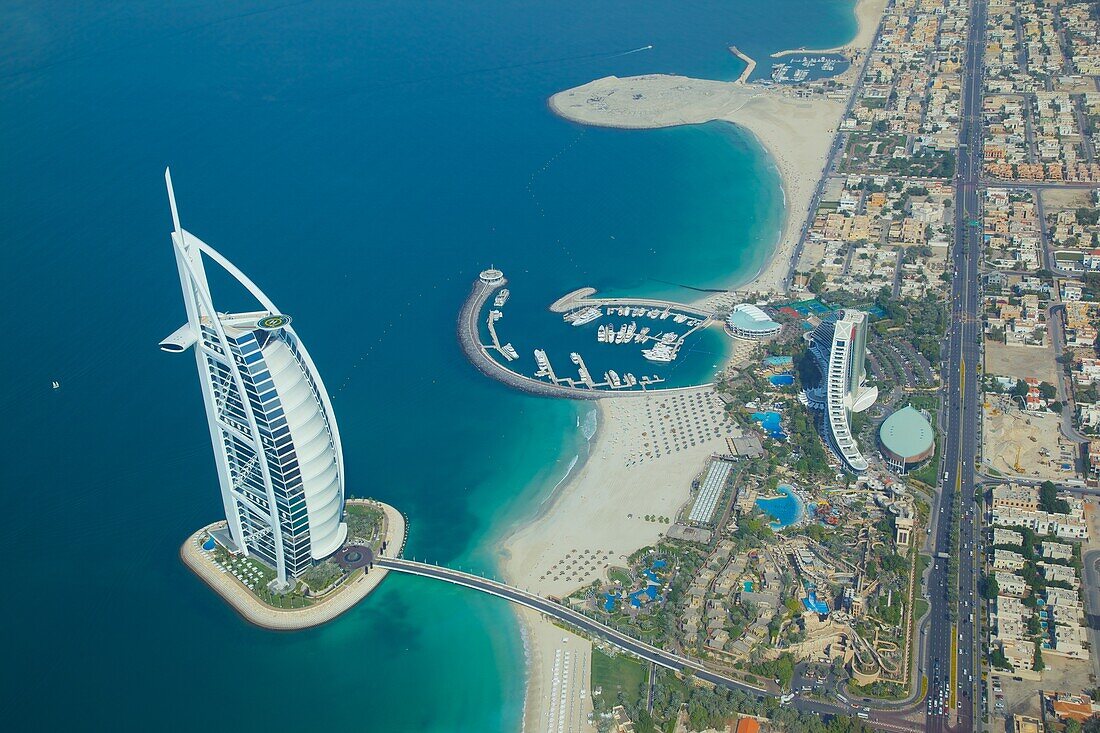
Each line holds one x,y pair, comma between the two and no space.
276,444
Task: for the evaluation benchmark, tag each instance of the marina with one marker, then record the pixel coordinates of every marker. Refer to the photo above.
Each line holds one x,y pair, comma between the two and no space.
658,331
797,69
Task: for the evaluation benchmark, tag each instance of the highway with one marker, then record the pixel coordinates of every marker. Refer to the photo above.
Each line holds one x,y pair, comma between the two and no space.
953,665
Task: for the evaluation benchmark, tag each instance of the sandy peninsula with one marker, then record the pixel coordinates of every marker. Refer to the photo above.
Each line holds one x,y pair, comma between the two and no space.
796,131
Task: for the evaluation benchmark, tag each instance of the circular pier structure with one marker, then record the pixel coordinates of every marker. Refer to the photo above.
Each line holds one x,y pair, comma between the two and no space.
492,277
488,282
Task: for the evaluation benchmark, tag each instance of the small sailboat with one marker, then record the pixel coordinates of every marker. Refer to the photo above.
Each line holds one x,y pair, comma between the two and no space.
56,385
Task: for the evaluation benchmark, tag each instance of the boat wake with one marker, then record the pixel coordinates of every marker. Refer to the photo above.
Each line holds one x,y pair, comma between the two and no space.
636,50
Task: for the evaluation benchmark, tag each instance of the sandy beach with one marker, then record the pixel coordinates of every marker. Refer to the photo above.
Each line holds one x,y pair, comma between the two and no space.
868,13
597,519
643,459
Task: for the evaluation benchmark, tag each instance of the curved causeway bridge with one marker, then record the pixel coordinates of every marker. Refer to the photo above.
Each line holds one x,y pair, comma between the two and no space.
627,643
566,614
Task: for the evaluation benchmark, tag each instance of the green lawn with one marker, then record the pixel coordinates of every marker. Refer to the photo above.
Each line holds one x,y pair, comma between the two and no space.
621,575
620,673
365,523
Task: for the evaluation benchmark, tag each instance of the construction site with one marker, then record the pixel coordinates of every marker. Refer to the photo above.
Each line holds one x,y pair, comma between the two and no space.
1016,442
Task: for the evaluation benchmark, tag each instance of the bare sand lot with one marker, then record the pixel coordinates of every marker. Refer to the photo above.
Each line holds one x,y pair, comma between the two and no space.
1066,198
1020,361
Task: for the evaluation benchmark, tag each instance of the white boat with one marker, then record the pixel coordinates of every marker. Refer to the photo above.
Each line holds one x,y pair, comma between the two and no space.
661,352
620,335
542,361
586,315
642,334
629,379
509,351
56,385
670,337
635,312
653,313
679,318
630,332
616,383
575,357
502,298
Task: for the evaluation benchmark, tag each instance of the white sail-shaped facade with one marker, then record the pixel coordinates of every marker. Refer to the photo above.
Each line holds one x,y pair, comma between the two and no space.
276,442
839,346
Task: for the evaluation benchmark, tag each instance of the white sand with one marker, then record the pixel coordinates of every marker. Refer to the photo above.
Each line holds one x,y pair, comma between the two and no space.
598,517
560,677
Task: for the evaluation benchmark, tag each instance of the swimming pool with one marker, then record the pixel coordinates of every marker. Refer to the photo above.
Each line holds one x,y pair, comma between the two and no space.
770,422
785,509
781,380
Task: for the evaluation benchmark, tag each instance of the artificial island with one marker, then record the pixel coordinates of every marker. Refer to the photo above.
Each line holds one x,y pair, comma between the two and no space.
292,551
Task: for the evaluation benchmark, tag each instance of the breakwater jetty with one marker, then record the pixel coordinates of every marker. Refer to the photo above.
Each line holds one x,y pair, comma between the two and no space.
582,297
750,64
469,338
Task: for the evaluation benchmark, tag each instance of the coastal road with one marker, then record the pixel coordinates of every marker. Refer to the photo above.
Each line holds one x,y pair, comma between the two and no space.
831,160
627,643
954,661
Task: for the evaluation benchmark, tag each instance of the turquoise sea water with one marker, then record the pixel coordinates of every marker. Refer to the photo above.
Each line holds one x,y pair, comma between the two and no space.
361,161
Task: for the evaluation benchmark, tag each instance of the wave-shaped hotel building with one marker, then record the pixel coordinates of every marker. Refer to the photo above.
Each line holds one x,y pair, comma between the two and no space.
839,346
276,443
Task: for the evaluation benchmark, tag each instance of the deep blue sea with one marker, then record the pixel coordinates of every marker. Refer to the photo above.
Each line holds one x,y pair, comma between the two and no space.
361,161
